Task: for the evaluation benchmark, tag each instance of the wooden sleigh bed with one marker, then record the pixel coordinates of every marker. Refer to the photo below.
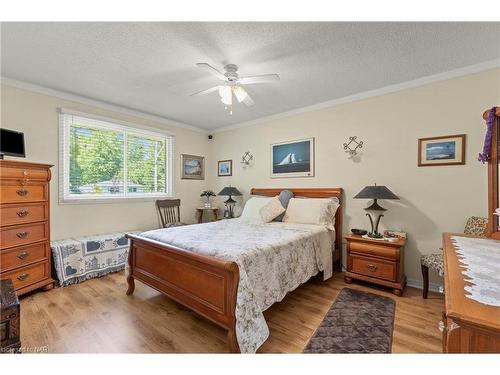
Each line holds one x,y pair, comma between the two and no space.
204,284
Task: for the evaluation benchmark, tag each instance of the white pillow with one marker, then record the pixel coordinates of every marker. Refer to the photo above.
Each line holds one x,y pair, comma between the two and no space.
312,211
271,210
253,206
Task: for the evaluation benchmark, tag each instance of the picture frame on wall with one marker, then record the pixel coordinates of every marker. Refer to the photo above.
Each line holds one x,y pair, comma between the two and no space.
293,158
192,167
443,150
224,168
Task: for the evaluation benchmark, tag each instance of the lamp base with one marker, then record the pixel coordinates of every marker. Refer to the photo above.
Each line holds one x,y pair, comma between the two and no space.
375,236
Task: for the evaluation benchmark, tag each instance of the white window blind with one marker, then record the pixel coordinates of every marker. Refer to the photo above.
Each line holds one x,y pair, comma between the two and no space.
102,159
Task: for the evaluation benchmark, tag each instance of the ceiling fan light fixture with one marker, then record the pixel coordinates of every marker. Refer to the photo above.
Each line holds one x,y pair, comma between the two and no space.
239,93
226,95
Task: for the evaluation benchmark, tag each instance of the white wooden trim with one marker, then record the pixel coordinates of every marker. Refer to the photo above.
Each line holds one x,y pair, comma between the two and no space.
97,103
471,69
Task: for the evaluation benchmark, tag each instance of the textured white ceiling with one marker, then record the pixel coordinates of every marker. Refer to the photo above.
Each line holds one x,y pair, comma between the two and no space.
151,66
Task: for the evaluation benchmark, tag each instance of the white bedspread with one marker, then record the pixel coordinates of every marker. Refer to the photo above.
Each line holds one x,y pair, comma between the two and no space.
273,258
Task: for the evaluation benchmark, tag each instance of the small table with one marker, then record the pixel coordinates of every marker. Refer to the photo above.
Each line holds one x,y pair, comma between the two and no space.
200,211
378,262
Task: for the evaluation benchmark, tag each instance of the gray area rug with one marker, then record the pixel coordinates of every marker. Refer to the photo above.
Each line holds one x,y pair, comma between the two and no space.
357,322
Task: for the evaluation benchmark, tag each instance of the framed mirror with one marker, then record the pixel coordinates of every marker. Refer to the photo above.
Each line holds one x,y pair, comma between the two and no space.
494,178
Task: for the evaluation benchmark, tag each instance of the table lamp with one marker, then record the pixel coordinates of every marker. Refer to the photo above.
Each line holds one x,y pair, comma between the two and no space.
374,211
230,202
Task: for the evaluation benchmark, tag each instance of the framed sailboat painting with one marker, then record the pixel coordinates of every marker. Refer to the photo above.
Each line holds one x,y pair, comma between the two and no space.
293,158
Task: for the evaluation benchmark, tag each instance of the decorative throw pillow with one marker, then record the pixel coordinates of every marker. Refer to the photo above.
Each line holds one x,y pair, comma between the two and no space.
272,209
284,198
312,211
253,206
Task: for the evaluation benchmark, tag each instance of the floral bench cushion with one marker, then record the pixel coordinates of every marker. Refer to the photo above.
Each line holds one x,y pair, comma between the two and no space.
434,262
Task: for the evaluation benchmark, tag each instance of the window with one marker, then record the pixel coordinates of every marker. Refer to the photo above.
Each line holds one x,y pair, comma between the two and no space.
101,159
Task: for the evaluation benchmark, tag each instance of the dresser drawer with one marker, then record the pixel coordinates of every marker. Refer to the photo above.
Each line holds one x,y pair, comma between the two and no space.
23,234
23,213
23,255
373,249
25,172
14,192
380,269
27,275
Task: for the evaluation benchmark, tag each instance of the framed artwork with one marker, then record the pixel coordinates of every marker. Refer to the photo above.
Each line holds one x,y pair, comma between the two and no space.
224,168
445,150
192,167
293,158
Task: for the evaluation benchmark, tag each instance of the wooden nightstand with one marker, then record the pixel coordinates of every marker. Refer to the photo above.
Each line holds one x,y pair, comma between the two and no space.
378,262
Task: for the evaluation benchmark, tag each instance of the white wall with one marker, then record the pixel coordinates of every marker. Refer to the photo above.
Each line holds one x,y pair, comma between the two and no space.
433,199
36,115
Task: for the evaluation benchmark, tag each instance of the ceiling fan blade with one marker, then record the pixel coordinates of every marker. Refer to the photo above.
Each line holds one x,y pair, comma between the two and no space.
209,68
265,78
248,101
207,91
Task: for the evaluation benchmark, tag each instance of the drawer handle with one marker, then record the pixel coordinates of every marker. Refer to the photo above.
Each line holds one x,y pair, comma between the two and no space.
24,181
22,213
23,276
23,255
372,267
22,192
22,235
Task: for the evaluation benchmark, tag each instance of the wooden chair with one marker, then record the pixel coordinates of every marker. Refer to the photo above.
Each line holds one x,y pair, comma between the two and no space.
170,212
475,226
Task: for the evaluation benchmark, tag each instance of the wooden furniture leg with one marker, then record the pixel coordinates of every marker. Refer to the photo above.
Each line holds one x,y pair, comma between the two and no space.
48,286
425,278
348,280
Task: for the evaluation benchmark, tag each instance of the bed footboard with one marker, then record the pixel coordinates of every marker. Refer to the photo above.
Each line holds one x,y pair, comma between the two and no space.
204,284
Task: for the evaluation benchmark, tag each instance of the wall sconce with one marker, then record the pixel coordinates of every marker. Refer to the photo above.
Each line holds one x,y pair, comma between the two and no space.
246,158
352,146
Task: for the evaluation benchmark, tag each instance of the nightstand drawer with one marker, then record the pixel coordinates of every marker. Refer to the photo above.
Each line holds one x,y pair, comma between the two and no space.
373,268
372,249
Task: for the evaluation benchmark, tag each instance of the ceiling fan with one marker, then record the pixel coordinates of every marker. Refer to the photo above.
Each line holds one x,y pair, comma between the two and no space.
233,84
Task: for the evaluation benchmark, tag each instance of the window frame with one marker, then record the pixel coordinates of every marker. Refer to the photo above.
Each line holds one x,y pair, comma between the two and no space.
115,125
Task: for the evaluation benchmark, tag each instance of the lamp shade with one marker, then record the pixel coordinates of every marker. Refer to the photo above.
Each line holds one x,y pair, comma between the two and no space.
375,192
229,190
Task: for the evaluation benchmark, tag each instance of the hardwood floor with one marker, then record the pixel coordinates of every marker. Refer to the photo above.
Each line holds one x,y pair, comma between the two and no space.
97,317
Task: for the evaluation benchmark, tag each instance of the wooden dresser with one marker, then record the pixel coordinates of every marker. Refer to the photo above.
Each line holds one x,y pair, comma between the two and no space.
378,262
468,326
25,225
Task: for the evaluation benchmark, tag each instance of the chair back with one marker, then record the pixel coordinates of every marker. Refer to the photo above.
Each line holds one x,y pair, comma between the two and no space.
476,226
169,211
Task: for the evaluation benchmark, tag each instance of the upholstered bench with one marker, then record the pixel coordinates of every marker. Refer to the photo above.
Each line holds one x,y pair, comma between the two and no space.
79,259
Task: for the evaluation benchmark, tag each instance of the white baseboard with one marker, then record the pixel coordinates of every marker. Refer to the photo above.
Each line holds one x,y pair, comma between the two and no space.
417,283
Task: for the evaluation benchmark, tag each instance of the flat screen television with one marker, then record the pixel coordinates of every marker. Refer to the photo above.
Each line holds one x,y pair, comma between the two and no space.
11,143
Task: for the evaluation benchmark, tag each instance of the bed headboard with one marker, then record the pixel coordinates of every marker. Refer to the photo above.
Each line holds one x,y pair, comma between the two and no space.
315,193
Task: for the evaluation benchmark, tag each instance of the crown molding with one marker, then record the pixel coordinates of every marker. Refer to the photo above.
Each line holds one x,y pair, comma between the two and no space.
97,103
471,69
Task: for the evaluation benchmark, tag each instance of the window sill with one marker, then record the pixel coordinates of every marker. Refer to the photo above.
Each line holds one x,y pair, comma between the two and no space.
102,200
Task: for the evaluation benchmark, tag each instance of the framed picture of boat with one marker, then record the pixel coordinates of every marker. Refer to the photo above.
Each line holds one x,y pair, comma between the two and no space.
445,150
293,158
